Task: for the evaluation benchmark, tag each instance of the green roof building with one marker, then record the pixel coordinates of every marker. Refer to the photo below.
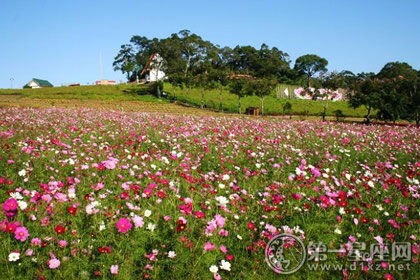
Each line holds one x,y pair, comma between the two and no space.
37,83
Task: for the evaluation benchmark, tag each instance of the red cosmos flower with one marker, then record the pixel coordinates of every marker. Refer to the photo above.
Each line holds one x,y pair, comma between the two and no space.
107,248
229,257
71,210
101,250
251,226
181,226
161,194
124,195
364,220
60,229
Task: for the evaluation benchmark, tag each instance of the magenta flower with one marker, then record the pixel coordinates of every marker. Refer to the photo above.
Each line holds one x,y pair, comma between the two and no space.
21,233
124,225
147,192
10,207
209,246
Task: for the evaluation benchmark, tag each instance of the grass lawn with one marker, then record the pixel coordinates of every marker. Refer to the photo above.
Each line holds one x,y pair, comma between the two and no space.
123,93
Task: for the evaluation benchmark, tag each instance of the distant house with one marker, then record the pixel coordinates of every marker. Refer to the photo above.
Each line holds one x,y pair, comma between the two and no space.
105,82
153,69
38,83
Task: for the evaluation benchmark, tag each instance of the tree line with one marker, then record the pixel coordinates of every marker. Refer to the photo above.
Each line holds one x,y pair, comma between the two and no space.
190,61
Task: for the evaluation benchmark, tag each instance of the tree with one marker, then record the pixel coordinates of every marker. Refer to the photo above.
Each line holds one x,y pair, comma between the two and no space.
287,108
366,92
309,65
262,88
219,79
394,70
125,60
240,89
399,96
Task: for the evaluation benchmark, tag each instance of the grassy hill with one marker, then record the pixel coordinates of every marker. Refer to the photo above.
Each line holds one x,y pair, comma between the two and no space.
111,93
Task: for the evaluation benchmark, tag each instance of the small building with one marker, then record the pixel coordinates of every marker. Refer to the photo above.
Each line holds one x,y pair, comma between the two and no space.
105,82
255,111
153,70
38,83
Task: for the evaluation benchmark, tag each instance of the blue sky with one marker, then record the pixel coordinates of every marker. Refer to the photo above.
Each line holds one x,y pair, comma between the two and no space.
62,40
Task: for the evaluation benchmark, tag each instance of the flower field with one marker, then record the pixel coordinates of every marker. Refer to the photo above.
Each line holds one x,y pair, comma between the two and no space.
99,194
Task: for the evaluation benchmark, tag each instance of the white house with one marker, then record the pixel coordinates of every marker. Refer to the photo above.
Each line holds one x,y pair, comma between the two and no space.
153,70
37,83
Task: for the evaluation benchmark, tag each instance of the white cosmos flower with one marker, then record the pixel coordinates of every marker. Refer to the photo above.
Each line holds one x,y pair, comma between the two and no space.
222,200
214,269
225,177
14,256
337,231
22,204
225,265
147,213
171,254
151,227
16,195
22,173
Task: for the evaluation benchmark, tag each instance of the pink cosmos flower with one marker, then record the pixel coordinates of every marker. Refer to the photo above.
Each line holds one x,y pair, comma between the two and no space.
21,233
220,221
53,263
36,241
47,198
138,221
29,252
124,225
62,243
110,164
223,249
209,246
114,269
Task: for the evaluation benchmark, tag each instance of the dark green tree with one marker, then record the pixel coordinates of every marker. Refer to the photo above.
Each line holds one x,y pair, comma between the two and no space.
125,61
309,65
366,92
240,88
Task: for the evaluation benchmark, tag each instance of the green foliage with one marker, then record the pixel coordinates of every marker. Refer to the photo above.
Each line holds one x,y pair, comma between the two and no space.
309,65
393,93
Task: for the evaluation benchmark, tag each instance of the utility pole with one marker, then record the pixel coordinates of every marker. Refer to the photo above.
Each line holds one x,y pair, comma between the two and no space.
11,83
